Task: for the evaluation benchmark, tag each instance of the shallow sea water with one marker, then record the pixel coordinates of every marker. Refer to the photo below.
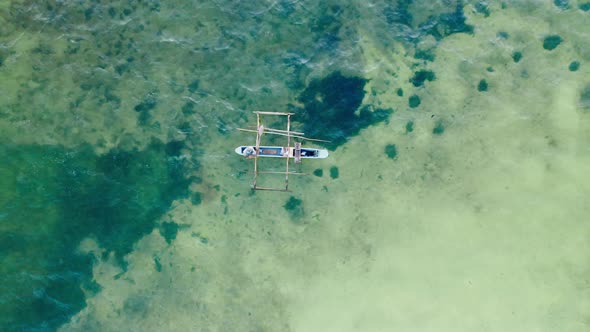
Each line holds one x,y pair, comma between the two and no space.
454,197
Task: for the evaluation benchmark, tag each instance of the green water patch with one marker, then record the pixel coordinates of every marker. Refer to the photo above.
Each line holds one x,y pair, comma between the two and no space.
51,199
391,151
517,56
574,66
414,101
334,172
421,76
332,109
584,6
318,172
551,42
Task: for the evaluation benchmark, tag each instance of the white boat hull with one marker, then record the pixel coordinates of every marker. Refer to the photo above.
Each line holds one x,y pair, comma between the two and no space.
281,152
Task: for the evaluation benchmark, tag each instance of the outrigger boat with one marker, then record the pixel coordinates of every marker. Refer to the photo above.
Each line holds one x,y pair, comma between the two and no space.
288,152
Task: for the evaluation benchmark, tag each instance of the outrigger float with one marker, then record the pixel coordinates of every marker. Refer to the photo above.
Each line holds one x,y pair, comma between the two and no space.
288,152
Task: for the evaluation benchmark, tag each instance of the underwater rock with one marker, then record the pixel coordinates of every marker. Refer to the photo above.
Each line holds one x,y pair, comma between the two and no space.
318,172
414,101
574,66
551,42
391,151
331,106
584,6
400,92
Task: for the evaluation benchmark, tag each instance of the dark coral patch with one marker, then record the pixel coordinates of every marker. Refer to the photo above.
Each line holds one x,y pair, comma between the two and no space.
439,128
516,56
391,151
334,172
196,198
400,92
584,6
449,23
193,86
421,76
398,14
168,230
318,172
574,66
551,42
295,207
562,4
409,126
414,101
482,86
585,98
502,34
331,106
70,195
157,264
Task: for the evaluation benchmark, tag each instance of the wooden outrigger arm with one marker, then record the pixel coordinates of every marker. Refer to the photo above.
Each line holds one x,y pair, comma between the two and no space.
285,152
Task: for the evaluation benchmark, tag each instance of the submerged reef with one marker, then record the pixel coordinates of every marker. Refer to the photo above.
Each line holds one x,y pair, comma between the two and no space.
331,109
65,196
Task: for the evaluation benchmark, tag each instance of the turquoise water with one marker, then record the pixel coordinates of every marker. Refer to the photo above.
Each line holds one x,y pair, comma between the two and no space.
453,198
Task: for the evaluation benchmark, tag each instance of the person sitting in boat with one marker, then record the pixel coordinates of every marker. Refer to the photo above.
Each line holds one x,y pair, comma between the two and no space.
249,152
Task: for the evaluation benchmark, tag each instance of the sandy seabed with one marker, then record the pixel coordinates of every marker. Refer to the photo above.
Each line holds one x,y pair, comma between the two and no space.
478,223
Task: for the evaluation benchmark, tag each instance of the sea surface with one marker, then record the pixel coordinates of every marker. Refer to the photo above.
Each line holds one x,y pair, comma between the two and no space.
455,196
